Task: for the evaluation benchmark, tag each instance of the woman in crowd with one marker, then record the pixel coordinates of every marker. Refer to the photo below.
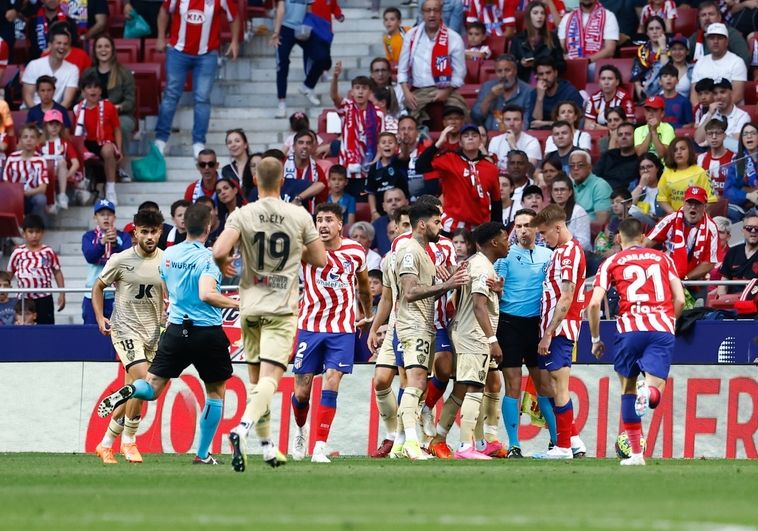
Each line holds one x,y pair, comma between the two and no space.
645,194
741,188
648,60
551,167
614,117
506,197
537,41
570,111
363,232
239,167
611,94
228,198
682,171
578,222
677,56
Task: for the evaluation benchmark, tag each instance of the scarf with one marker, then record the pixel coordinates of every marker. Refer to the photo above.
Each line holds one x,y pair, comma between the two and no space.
41,26
290,169
491,16
80,111
199,192
749,174
699,51
583,41
108,246
360,133
679,252
77,10
53,149
442,65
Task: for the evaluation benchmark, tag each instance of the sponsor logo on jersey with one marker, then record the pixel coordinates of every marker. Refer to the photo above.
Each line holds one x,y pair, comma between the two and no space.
194,16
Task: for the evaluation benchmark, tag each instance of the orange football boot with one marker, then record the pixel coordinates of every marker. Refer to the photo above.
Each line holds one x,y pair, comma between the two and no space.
106,454
440,450
131,453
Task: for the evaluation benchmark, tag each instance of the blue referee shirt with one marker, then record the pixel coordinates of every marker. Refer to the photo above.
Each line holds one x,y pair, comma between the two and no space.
524,271
182,267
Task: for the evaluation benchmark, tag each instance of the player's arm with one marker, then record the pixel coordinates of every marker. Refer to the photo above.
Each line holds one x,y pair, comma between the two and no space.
483,318
382,314
413,291
209,294
315,253
58,275
650,244
104,324
364,294
677,294
224,245
593,316
561,309
700,271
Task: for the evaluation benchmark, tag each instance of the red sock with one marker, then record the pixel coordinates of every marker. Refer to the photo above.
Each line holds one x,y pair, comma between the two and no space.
434,392
301,411
574,431
634,432
325,418
655,396
564,418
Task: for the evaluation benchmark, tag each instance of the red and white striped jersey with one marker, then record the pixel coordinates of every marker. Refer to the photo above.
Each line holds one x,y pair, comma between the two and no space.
567,264
196,24
328,301
642,278
595,106
30,172
4,52
34,269
717,168
57,150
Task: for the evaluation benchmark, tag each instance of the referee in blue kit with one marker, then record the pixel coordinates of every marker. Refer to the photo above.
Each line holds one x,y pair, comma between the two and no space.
194,335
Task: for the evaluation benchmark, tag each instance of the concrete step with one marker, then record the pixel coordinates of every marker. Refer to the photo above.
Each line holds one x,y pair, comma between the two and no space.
268,88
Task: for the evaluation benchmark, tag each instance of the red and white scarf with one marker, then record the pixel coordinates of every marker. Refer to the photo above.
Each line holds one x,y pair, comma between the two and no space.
491,15
442,64
80,111
310,173
679,248
699,50
581,40
360,132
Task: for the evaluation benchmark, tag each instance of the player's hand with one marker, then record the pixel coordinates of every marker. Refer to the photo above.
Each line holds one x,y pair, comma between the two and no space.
598,349
543,347
104,325
61,301
443,273
337,70
372,341
496,285
495,353
459,278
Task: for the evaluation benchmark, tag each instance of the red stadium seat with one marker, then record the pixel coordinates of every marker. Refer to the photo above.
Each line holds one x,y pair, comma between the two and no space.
541,135
19,120
21,52
750,96
520,21
127,50
362,212
628,51
321,123
487,71
325,165
686,20
469,93
472,71
146,77
624,66
576,72
751,110
497,44
11,209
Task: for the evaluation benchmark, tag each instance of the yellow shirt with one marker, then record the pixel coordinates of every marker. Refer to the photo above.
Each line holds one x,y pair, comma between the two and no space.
674,183
393,44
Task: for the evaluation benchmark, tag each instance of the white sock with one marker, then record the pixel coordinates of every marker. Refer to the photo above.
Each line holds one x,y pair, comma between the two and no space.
464,446
110,188
481,444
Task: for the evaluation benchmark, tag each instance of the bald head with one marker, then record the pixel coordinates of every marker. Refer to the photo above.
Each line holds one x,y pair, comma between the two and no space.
269,174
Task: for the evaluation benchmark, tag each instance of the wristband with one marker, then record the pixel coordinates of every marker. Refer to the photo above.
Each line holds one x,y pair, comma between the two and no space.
492,339
595,340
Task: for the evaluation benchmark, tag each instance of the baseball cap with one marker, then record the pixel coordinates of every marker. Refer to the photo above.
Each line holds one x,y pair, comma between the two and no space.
452,109
655,102
103,204
679,39
695,193
722,83
532,189
469,127
717,28
53,115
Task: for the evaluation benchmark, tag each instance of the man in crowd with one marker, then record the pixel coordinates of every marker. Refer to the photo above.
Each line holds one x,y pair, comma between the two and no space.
720,63
591,31
514,137
591,192
301,166
549,93
394,199
38,26
741,261
617,166
723,108
506,90
411,146
207,165
563,138
66,74
517,168
709,12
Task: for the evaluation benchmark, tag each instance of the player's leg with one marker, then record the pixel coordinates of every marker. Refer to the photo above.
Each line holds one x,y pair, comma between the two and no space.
115,428
309,360
386,404
133,414
416,352
488,423
263,426
510,407
544,386
443,368
149,388
471,371
655,363
438,445
558,364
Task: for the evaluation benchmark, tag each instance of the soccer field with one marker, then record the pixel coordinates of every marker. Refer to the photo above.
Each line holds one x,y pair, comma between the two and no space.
60,492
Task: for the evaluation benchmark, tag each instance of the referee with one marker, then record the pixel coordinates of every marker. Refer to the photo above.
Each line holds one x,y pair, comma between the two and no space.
194,335
518,330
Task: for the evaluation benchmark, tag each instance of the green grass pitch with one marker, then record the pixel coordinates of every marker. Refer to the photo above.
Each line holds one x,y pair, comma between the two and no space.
77,492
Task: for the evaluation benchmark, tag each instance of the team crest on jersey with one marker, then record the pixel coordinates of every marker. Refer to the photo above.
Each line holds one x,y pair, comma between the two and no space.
482,374
566,262
348,266
440,62
194,16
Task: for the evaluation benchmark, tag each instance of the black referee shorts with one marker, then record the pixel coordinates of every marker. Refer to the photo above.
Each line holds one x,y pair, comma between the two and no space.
518,338
206,347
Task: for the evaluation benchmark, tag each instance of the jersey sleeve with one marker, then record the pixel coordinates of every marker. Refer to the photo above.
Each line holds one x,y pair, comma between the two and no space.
210,269
234,221
659,233
386,271
310,233
570,261
603,276
479,276
408,263
111,272
55,263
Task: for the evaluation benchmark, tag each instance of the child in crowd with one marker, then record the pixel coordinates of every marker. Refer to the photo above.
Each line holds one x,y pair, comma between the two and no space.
24,312
666,9
476,34
605,242
337,181
45,86
393,38
383,101
375,287
97,120
385,174
179,233
678,111
704,91
55,147
717,159
34,265
298,122
7,305
25,166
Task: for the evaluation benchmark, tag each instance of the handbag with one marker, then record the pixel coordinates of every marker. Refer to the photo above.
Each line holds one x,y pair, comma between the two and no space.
319,27
136,27
150,169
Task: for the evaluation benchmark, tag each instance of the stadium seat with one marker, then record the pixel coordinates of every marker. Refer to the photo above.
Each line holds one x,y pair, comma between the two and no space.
469,93
576,72
595,136
541,135
21,52
11,209
624,66
750,96
321,122
497,44
325,165
751,110
52,185
628,51
127,50
19,120
362,212
520,15
487,71
8,75
434,110
146,77
685,21
472,71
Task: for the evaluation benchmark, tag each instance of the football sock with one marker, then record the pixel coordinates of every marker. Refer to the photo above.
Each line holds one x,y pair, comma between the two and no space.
574,431
263,426
209,420
260,399
130,430
408,412
300,409
327,409
115,427
655,397
387,406
143,390
564,419
632,424
447,417
472,402
479,427
511,420
547,412
434,391
491,409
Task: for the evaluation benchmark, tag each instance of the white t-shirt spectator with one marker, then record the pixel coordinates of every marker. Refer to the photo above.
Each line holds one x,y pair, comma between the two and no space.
610,31
66,76
731,67
500,147
734,121
582,140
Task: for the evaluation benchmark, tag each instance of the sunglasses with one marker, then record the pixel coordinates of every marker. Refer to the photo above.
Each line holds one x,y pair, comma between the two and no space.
751,228
211,164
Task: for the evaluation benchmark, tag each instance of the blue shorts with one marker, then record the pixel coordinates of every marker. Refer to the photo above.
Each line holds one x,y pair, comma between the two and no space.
442,341
561,350
317,351
398,348
648,352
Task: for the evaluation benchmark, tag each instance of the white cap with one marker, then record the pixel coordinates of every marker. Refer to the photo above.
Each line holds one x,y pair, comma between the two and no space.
717,28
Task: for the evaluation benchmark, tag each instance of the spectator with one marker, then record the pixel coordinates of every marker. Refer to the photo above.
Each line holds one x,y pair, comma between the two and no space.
741,15
614,117
178,232
152,206
381,75
551,167
655,135
507,90
723,107
664,9
518,170
11,11
7,305
536,41
215,230
497,16
6,119
741,261
617,166
590,31
98,121
704,92
648,60
578,222
506,199
532,198
361,125
681,174
611,94
677,57
678,110
61,152
25,166
515,138
389,172
98,245
411,146
721,63
66,74
193,47
147,9
689,236
724,227
298,122
38,26
394,199
645,194
432,65
91,17
309,177
45,90
239,166
717,160
375,287
605,241
393,38
383,99
336,182
700,46
549,93
34,265
25,312
562,140
476,49
741,188
228,199
464,244
206,185
592,193
570,112
363,232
